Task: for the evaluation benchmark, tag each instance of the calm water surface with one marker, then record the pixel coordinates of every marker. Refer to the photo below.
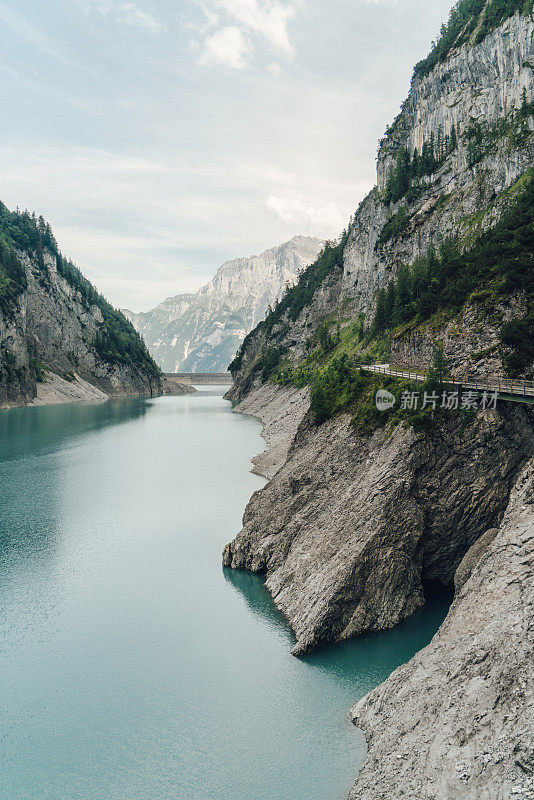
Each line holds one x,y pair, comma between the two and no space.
132,667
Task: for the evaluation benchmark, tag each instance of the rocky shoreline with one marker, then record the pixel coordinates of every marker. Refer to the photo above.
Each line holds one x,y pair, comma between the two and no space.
467,699
281,410
55,389
458,719
352,531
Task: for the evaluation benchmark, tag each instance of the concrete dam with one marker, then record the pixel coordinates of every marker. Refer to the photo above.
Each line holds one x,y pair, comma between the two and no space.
200,378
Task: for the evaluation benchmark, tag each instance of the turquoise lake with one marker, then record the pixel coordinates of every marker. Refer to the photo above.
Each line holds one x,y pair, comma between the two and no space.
132,666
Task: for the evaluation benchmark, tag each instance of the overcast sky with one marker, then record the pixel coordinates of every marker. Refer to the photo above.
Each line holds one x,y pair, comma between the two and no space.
163,137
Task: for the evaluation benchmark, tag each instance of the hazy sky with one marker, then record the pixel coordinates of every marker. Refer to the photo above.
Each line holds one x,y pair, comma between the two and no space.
162,137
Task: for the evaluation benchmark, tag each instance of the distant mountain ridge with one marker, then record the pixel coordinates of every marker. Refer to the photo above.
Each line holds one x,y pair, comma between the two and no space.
201,332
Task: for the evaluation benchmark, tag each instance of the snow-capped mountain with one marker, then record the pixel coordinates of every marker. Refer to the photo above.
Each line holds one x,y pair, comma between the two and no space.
201,332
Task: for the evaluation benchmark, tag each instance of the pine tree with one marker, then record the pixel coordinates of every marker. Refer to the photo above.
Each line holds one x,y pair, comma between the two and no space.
390,302
439,371
380,319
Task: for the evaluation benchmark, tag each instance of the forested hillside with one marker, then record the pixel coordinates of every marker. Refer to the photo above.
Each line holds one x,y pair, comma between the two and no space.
53,320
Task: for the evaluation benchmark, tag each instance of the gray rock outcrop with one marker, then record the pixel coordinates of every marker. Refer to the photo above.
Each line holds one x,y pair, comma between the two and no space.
457,721
351,529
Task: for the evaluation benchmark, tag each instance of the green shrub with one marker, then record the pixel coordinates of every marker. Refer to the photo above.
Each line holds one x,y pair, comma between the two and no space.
394,227
39,370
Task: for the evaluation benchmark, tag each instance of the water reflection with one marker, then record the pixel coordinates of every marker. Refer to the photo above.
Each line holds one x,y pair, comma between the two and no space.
252,588
47,428
362,662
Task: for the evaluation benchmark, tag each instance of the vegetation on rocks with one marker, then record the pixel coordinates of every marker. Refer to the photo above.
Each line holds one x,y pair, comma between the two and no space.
466,17
338,384
22,233
405,178
498,263
482,139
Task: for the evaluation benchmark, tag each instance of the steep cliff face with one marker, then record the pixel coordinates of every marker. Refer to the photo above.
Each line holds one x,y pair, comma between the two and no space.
352,529
476,96
59,339
201,332
458,719
451,165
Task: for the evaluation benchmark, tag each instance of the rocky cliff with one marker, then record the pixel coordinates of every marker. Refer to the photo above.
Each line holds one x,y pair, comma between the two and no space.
434,230
367,515
59,339
352,531
458,719
201,332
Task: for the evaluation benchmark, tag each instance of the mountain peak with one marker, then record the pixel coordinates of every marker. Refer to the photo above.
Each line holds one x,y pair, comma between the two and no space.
202,331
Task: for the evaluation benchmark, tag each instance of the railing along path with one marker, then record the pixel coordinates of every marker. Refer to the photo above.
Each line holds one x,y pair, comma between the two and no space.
487,383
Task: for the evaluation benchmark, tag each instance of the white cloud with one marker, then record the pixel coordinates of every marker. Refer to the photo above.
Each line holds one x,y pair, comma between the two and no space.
126,13
132,15
327,220
255,20
275,68
269,18
227,46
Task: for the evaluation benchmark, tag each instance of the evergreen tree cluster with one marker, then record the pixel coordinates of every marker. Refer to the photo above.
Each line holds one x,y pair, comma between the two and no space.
22,232
464,19
404,179
12,278
482,139
502,258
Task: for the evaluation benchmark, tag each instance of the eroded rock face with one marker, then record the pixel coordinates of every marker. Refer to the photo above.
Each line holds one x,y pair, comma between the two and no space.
457,721
53,327
477,84
350,528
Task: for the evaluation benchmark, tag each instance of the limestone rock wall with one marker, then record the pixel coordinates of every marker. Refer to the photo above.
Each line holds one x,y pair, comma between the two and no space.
483,83
53,327
457,721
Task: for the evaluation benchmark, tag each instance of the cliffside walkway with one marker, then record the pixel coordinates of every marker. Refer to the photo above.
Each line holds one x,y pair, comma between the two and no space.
510,389
201,378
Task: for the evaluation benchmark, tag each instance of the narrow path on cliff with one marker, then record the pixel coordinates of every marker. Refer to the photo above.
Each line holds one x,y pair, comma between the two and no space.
513,390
